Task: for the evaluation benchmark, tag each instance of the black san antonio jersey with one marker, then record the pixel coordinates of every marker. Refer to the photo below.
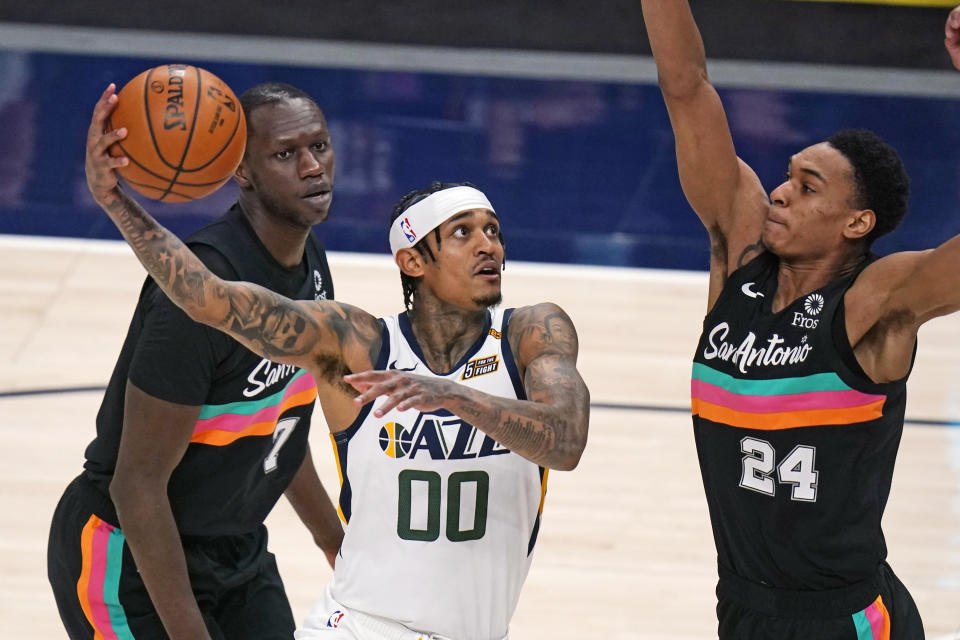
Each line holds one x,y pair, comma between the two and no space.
796,444
252,431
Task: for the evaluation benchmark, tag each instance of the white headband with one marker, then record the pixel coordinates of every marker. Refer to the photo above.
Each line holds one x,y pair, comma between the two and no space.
428,214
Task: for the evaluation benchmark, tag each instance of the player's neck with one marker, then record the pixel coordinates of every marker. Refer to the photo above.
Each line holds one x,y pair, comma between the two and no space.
284,240
444,332
797,278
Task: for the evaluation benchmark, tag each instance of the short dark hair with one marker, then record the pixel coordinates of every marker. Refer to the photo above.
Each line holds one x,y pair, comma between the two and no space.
880,179
411,283
269,93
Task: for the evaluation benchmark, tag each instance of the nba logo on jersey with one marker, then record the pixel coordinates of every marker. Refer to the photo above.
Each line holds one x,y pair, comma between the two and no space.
334,620
408,230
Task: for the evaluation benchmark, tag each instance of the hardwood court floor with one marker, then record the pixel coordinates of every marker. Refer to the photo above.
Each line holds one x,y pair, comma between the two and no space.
625,550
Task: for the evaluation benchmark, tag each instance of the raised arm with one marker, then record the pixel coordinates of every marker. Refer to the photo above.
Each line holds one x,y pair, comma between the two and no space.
898,293
723,191
283,330
549,428
891,300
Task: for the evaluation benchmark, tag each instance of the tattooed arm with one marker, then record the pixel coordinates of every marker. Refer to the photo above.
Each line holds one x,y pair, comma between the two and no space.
550,428
288,331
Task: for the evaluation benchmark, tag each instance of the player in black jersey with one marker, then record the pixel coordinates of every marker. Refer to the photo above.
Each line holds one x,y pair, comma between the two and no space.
162,534
799,379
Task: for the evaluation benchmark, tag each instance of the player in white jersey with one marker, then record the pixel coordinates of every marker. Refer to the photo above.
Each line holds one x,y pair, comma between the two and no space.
447,518
441,520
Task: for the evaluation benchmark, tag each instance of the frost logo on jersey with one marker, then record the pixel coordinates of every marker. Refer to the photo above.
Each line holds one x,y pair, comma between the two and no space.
334,620
439,438
408,230
744,355
318,292
480,366
265,374
813,305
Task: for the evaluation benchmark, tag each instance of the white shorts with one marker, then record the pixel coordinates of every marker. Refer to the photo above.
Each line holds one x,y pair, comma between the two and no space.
330,620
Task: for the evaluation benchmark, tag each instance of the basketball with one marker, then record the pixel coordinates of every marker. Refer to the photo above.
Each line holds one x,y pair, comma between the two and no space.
185,132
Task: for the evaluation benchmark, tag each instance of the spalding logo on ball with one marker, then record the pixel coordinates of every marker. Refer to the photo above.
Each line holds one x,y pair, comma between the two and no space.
185,132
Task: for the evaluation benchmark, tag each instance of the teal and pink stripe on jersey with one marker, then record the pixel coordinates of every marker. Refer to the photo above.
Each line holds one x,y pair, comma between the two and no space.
873,623
221,424
781,403
101,549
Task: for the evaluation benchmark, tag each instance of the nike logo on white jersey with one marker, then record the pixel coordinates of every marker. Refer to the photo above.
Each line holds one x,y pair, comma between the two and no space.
747,291
393,365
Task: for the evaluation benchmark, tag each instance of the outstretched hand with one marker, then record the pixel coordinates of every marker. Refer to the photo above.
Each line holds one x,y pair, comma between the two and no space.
403,390
952,32
100,166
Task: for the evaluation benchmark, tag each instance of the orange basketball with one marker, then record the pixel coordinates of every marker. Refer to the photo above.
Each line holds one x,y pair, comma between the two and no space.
185,132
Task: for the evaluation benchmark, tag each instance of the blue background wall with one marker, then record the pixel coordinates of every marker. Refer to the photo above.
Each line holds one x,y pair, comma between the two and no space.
579,171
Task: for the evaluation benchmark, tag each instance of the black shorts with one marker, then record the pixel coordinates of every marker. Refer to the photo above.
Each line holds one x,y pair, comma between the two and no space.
98,588
877,608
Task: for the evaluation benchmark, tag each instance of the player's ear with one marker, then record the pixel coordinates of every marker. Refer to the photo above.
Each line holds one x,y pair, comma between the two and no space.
860,224
410,262
241,176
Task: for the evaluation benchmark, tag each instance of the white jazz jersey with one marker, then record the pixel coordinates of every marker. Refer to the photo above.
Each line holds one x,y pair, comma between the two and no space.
441,520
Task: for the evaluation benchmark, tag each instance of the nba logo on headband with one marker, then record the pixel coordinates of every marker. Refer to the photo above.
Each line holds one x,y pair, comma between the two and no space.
408,231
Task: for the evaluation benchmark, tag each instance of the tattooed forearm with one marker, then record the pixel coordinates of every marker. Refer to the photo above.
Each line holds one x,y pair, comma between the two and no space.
549,435
274,323
550,427
267,323
169,261
536,437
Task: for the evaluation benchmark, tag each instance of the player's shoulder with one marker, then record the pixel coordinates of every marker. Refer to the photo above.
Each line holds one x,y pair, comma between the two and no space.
216,260
887,271
219,243
542,328
879,284
538,313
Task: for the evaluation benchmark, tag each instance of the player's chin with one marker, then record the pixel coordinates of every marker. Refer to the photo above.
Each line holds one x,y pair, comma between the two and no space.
773,236
489,300
315,213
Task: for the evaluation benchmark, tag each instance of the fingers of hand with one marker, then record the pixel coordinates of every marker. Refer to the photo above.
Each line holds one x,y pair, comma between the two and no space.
98,159
397,393
99,139
370,384
104,107
391,402
953,20
953,49
366,378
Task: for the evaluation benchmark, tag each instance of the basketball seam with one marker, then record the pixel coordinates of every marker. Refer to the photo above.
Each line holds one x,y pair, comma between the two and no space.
132,159
146,109
166,190
193,126
226,145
